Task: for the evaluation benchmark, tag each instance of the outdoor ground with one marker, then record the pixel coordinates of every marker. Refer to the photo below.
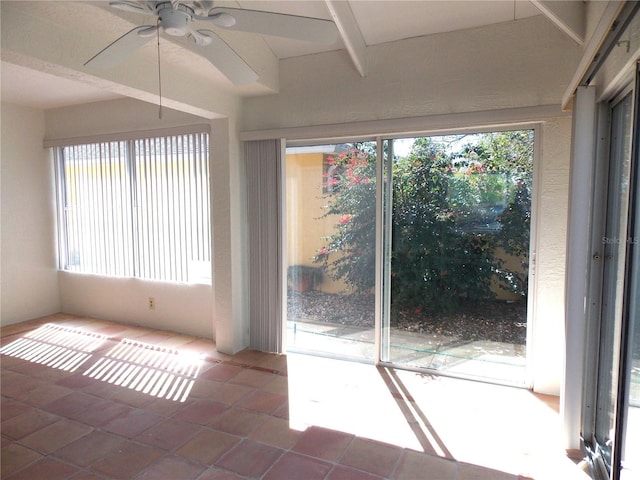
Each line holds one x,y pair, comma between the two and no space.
493,320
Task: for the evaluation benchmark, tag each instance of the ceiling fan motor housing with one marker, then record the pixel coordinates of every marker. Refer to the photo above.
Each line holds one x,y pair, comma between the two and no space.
175,22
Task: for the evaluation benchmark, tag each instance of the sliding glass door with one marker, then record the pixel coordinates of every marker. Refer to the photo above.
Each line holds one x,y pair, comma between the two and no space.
331,249
459,215
445,221
612,428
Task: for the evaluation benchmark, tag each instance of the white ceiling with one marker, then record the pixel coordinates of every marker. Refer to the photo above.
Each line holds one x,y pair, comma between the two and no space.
377,22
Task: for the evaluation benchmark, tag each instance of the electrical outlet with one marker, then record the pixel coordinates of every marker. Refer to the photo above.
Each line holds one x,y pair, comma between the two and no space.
152,303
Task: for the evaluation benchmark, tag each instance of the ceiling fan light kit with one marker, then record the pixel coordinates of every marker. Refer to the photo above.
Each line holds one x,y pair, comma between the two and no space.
174,18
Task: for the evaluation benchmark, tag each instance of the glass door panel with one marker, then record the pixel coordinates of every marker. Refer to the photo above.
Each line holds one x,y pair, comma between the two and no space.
459,209
331,245
615,250
630,391
631,442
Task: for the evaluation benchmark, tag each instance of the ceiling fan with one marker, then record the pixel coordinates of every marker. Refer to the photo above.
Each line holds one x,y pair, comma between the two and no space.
175,18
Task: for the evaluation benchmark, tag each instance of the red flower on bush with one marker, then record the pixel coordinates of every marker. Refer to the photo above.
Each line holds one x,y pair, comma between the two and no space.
345,219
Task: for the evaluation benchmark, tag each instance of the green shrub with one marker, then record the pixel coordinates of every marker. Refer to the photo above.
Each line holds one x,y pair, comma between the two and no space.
446,225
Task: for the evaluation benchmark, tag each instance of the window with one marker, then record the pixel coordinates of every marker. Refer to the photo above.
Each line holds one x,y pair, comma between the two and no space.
136,208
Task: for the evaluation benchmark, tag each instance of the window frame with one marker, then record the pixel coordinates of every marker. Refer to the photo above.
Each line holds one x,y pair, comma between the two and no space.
185,154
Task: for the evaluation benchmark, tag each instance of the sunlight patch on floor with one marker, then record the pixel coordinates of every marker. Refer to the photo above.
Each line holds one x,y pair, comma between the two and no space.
153,370
502,428
55,346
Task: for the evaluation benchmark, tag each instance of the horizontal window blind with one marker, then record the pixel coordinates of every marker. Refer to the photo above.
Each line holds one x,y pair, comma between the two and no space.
136,208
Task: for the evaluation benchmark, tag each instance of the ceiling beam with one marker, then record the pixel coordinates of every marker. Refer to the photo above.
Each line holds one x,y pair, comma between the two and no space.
569,16
350,33
37,35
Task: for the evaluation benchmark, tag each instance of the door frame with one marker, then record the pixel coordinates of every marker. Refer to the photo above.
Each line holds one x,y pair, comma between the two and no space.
596,284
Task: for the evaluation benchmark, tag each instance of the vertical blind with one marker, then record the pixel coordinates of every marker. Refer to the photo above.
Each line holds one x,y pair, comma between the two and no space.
264,203
136,208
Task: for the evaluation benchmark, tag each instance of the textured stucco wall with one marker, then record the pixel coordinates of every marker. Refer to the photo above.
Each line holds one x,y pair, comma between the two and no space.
523,63
548,332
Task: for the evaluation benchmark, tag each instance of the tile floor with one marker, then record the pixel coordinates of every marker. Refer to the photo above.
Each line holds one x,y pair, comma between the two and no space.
89,399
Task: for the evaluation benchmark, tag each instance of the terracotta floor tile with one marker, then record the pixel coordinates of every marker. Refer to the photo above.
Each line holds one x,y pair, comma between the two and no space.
214,473
5,441
172,467
10,408
16,457
274,362
238,421
101,412
207,446
220,392
132,332
250,458
233,425
164,407
77,381
170,434
221,372
261,401
27,423
276,432
112,330
177,341
252,378
86,476
323,443
132,423
13,384
204,347
127,461
249,357
90,448
282,411
340,472
9,361
39,371
73,404
155,337
55,436
46,468
278,384
201,412
413,465
292,465
45,394
15,329
373,457
131,397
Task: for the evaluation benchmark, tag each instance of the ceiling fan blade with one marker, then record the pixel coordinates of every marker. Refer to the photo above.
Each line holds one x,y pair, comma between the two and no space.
132,6
278,24
119,50
222,57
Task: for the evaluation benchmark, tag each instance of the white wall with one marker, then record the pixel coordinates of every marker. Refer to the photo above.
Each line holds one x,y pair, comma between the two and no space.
29,282
228,220
553,204
526,63
180,307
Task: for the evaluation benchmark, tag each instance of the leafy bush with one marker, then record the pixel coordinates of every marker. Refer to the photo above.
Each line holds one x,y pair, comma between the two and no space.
450,212
352,201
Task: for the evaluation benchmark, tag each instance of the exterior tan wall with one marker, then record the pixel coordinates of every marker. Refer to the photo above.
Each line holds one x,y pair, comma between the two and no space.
305,222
